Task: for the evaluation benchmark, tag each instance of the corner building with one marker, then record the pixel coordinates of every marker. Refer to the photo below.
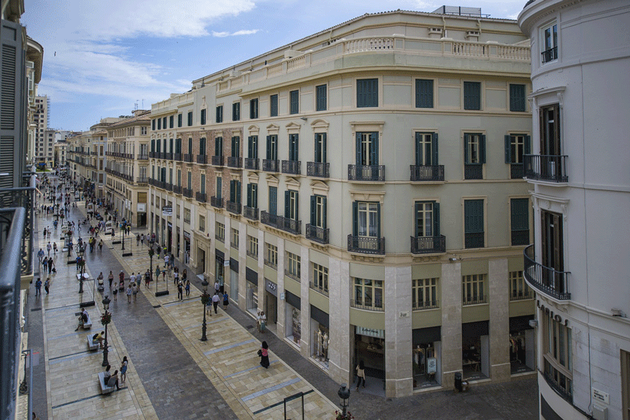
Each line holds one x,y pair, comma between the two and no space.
364,187
578,262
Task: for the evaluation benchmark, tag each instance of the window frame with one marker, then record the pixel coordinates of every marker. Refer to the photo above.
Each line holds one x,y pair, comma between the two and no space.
473,96
321,97
518,97
425,94
367,95
218,114
557,344
294,102
253,108
472,226
236,111
519,289
271,255
294,266
360,297
549,51
320,278
474,289
252,247
219,231
273,105
190,118
424,287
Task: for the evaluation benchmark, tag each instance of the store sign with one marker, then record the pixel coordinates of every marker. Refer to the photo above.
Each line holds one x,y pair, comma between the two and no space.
370,332
431,365
142,207
167,211
271,287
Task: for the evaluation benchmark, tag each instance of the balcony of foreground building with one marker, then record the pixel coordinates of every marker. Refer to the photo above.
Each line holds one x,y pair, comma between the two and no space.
15,198
234,162
217,160
187,192
202,159
233,207
318,169
373,173
366,245
252,164
425,173
270,165
428,244
317,234
250,212
201,197
13,222
188,158
546,280
292,167
216,202
551,168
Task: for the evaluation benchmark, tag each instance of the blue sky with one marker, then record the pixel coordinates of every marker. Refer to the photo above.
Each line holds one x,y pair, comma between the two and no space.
101,58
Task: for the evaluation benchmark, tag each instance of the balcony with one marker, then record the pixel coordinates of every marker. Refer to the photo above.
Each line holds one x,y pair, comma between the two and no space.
168,156
428,244
374,173
474,240
546,168
233,207
317,234
250,212
203,159
178,157
368,304
177,189
269,165
169,186
217,160
427,173
153,155
292,167
201,197
318,169
252,164
549,55
10,200
188,158
269,219
366,245
142,180
160,184
187,192
162,155
473,171
143,157
545,279
216,202
235,162
516,171
290,225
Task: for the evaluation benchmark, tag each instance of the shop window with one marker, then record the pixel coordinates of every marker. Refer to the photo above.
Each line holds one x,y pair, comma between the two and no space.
424,293
474,289
219,232
293,266
368,294
271,255
252,246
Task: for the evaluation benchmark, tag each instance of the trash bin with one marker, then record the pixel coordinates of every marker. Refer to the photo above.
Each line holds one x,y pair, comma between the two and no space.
458,381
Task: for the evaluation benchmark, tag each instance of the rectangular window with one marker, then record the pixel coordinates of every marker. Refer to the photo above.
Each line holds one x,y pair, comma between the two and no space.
518,99
179,120
367,93
294,142
179,177
426,149
318,211
367,219
219,116
553,248
367,149
291,205
516,145
203,117
202,146
187,216
143,131
273,200
272,147
474,224
235,191
236,146
203,184
234,239
472,95
424,293
519,212
474,155
368,294
557,354
550,46
236,111
171,121
189,180
219,231
218,146
424,93
190,119
550,136
273,106
293,266
518,287
159,120
474,289
320,147
219,191
164,123
320,278
202,223
153,125
294,102
252,196
252,147
321,100
252,246
190,148
253,109
427,218
271,255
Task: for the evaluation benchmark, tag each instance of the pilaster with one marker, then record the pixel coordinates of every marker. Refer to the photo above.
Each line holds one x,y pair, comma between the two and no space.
451,322
339,318
499,319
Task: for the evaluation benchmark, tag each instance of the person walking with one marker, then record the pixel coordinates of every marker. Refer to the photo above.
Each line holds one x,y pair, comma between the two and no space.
45,264
110,279
40,255
147,278
187,288
49,248
217,286
175,275
55,248
142,239
137,240
157,272
129,292
132,278
134,290
115,293
38,287
360,374
180,291
51,265
47,285
123,370
226,301
121,277
121,286
263,352
215,302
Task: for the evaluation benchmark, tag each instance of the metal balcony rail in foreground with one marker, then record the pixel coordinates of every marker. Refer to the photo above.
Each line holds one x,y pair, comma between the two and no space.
545,279
233,207
366,173
201,197
270,165
368,304
427,173
234,162
250,212
187,192
546,167
216,202
12,227
291,167
217,160
22,197
203,159
317,234
428,244
318,169
366,244
251,163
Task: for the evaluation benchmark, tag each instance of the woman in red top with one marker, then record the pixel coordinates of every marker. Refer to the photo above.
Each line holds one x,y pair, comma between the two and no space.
264,355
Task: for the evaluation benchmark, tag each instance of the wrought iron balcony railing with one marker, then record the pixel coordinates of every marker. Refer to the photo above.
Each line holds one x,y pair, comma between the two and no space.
187,192
168,156
203,159
178,157
317,234
368,304
216,202
252,164
546,167
143,157
428,244
366,244
250,212
142,180
427,173
23,197
269,165
318,169
473,171
550,55
233,207
429,304
269,219
366,173
177,189
234,162
217,160
290,225
188,158
547,280
201,197
292,167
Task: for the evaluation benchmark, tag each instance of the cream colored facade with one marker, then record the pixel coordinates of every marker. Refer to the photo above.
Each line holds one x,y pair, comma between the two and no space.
379,151
42,154
127,167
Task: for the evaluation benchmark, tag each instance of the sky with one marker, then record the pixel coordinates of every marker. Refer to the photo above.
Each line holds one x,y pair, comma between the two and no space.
107,58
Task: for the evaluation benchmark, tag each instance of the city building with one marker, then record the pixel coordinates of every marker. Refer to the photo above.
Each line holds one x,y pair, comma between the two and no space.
59,154
34,57
127,154
363,186
43,145
580,186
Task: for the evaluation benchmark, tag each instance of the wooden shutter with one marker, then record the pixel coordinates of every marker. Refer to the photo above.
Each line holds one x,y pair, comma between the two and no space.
527,147
238,192
378,219
355,218
232,190
324,141
520,214
473,216
507,142
466,141
190,149
287,206
249,195
482,148
434,149
359,150
219,187
273,200
436,219
153,146
424,93
313,210
419,151
325,211
268,147
374,148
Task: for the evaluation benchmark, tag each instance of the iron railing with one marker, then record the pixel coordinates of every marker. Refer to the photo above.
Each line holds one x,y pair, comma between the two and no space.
178,157
233,207
177,189
427,304
366,244
269,219
292,167
366,173
217,160
234,162
188,157
427,173
250,212
368,304
251,163
143,157
546,167
547,280
270,165
549,55
473,171
216,202
203,159
187,192
318,169
23,197
290,225
317,234
201,197
168,156
428,244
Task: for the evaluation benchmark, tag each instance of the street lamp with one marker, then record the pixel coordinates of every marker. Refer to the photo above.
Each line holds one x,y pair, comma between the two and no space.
344,396
205,298
151,253
123,226
81,262
106,319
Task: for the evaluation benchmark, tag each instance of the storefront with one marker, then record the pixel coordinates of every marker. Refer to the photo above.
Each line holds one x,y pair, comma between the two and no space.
251,295
321,336
187,247
475,350
233,267
219,258
427,364
142,215
169,239
292,315
271,303
369,347
201,258
522,349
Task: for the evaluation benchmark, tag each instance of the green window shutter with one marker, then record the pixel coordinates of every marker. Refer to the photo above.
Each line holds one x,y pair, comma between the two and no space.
273,106
527,147
255,196
416,206
170,148
219,187
159,123
424,93
232,191
153,125
295,102
378,219
355,218
436,219
190,146
268,147
249,195
374,148
517,98
238,192
359,150
325,211
473,216
466,141
520,213
153,146
434,148
287,201
179,120
189,180
482,149
203,184
507,141
324,141
367,93
472,95
419,150
249,146
317,144
203,117
321,101
273,200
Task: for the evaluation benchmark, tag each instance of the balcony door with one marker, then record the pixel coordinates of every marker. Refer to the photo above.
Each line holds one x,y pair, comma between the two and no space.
552,241
550,130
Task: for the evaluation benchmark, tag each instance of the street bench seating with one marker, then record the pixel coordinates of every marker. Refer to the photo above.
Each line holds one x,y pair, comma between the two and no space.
104,388
91,344
87,325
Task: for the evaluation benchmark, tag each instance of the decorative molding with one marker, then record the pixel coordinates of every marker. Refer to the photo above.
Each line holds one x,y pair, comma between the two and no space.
272,181
320,188
254,130
367,258
252,177
293,128
293,184
368,196
320,126
273,129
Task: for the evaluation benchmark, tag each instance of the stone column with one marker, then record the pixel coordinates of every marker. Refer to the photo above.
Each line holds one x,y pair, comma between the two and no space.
262,294
242,265
305,310
398,332
451,322
498,286
339,316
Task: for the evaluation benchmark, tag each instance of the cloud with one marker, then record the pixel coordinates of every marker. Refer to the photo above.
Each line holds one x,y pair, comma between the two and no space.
237,33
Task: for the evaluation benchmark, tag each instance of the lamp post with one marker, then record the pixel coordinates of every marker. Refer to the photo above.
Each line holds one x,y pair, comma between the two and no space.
344,396
81,263
151,253
106,319
123,226
205,298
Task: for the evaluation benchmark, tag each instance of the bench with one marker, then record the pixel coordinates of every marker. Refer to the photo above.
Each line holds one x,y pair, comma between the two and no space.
87,325
91,344
104,388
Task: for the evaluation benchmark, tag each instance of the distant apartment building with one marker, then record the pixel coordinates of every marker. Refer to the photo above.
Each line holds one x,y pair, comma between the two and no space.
40,120
364,187
577,171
